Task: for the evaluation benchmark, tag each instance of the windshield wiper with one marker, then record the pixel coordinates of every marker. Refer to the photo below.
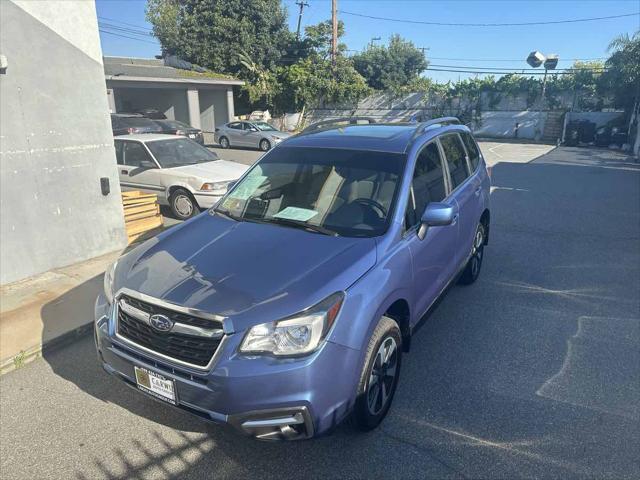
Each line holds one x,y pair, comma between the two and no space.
297,224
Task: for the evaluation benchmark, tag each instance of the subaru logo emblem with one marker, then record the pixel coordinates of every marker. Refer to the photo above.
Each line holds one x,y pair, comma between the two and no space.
161,323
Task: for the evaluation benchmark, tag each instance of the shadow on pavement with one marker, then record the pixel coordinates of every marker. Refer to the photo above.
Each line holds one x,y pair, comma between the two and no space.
506,378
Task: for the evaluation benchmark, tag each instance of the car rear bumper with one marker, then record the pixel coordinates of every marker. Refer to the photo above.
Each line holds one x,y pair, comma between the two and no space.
263,397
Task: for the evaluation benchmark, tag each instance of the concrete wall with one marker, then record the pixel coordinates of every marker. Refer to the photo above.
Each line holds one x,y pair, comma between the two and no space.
503,124
55,140
213,108
173,102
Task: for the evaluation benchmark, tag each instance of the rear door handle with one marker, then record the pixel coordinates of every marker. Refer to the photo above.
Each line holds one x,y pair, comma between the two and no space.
478,190
455,219
124,172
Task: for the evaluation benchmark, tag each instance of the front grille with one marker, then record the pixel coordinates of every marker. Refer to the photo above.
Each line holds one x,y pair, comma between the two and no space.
191,349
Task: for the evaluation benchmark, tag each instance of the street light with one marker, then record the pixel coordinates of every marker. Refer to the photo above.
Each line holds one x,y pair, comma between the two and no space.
550,62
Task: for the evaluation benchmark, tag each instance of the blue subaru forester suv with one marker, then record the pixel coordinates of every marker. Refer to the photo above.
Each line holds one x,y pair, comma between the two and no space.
287,307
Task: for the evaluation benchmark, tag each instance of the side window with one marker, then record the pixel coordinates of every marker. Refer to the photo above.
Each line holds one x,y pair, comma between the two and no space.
455,155
427,184
119,156
235,126
472,150
134,154
246,126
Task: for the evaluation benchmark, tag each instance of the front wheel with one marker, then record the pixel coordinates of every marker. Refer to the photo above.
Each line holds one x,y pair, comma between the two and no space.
265,145
472,270
380,375
183,205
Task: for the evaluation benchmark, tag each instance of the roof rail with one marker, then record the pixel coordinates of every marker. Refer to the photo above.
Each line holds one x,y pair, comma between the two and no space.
328,123
422,127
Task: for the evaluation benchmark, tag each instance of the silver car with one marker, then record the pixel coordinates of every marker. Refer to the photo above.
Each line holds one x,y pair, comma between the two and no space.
256,134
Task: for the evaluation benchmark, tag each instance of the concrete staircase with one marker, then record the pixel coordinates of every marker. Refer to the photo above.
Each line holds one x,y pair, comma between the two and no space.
553,127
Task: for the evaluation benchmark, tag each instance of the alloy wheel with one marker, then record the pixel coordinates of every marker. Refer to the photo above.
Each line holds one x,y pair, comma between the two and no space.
383,376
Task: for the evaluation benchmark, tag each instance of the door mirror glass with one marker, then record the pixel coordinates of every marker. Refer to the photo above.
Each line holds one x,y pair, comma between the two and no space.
253,129
435,215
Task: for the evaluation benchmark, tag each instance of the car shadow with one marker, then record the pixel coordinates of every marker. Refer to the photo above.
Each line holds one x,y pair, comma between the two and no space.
479,396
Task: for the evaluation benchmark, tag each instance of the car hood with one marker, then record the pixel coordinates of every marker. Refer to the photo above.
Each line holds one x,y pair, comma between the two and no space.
219,170
249,273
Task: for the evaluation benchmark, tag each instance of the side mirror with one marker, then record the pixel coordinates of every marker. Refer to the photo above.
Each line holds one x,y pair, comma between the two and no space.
253,129
231,184
435,215
147,164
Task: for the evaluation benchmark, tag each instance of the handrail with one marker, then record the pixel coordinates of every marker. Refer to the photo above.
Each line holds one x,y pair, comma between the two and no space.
327,123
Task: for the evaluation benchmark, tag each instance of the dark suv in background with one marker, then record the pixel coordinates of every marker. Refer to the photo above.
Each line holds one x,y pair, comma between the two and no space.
126,123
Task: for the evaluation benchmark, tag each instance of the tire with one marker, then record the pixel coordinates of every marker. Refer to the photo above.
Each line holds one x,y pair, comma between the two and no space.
371,407
183,205
265,145
472,269
224,142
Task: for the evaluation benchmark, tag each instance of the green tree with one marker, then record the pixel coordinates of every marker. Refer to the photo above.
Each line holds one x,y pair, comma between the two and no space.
317,39
622,77
213,33
390,67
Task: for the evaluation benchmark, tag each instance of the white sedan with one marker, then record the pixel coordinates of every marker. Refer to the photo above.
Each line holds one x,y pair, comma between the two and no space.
183,174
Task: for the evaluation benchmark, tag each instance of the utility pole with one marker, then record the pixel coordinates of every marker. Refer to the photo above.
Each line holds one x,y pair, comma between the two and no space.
334,37
301,4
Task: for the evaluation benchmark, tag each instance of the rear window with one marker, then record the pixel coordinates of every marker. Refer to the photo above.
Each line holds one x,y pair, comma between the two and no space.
472,150
138,122
455,155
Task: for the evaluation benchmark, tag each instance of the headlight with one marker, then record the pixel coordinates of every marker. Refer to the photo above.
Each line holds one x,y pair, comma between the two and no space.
109,275
217,188
296,335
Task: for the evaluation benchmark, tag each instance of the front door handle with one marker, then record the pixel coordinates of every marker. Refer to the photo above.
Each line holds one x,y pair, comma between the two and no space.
455,219
478,190
124,172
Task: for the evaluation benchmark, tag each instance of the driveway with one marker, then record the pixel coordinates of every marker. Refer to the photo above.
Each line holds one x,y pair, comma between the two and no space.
530,372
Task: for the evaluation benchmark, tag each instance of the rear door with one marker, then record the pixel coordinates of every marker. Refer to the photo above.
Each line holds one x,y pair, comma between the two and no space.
432,257
463,191
134,172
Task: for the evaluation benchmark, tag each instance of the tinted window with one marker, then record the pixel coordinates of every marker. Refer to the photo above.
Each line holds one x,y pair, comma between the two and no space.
349,192
138,122
472,150
235,126
179,152
119,157
455,154
135,154
427,185
247,126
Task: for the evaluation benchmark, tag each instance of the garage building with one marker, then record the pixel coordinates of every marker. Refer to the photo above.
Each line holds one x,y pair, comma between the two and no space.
202,99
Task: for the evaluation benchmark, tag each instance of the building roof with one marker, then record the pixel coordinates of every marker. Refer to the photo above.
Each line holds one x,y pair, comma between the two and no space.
154,70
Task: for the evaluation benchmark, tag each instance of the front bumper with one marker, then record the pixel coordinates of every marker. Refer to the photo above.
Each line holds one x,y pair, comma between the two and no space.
206,200
263,397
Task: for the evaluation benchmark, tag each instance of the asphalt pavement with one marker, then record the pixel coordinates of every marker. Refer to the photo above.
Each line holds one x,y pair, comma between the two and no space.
533,371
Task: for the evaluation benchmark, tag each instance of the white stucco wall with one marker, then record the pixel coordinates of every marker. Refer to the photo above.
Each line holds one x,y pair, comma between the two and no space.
55,140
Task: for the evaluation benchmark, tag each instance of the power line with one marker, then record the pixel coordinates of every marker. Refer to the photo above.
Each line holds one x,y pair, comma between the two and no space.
125,23
517,72
508,59
124,29
520,24
126,36
517,68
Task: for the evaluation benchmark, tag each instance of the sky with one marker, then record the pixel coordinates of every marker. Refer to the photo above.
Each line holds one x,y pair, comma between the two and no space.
487,47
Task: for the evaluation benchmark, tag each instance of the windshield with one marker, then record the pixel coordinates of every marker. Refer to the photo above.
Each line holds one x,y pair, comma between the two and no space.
179,152
265,127
343,192
174,124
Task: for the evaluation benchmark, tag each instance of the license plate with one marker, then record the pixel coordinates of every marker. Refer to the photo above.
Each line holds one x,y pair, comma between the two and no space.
192,135
155,384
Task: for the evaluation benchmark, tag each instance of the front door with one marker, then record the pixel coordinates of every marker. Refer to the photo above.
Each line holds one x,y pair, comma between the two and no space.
433,256
137,170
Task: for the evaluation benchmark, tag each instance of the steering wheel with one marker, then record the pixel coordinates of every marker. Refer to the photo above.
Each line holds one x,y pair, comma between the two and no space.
373,204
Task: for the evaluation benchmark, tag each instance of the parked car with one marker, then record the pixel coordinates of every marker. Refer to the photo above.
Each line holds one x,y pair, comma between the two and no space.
127,123
174,127
249,134
613,133
289,306
152,113
183,174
